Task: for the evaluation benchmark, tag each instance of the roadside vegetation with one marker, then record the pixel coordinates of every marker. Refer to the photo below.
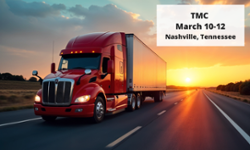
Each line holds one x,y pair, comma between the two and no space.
242,87
17,94
9,76
238,90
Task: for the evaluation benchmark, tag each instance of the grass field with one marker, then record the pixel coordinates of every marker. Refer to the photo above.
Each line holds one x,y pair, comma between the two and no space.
17,94
19,85
235,95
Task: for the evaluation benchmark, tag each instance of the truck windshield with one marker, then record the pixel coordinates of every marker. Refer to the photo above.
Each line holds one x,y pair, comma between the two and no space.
80,61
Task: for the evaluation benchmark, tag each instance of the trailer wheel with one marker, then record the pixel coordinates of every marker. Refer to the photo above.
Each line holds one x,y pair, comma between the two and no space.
142,99
49,118
132,106
138,101
158,97
99,110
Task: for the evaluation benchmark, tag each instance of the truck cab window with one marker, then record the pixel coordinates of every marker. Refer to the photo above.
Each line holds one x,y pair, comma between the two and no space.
64,64
119,47
80,61
105,64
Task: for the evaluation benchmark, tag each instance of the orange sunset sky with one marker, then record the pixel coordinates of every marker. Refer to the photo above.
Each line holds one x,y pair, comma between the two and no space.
29,27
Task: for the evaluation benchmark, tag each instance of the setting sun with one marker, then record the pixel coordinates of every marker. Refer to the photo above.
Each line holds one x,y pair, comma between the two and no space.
188,79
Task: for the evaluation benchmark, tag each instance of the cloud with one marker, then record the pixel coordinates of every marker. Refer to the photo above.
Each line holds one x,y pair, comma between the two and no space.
78,10
111,18
35,9
245,2
34,32
17,51
186,2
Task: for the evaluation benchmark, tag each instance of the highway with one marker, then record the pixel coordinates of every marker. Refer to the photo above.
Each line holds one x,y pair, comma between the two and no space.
187,120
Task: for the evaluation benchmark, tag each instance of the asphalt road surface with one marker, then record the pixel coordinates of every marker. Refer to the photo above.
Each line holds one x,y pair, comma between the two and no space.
189,120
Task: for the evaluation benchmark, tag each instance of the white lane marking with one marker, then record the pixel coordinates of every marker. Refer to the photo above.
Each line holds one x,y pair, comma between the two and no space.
160,113
123,137
17,122
176,103
238,128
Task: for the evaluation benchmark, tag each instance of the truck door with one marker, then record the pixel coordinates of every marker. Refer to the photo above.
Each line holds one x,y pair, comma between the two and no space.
119,74
105,78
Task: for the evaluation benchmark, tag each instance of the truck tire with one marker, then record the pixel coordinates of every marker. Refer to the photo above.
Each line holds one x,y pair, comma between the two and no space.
49,118
99,110
138,101
132,106
143,99
158,97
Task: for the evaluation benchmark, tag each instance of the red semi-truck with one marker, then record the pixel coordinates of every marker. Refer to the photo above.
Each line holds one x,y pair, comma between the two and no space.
98,74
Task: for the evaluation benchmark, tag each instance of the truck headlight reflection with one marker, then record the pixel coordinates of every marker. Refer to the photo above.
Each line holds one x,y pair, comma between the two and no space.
83,99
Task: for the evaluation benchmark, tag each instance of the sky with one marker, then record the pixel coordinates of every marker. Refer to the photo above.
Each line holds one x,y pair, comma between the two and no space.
29,27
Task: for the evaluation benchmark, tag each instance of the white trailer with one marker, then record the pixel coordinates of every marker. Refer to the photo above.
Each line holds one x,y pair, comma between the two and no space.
146,71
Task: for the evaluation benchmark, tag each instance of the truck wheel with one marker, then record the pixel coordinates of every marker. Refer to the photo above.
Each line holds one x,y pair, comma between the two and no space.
143,99
158,97
161,96
138,101
99,110
132,106
49,118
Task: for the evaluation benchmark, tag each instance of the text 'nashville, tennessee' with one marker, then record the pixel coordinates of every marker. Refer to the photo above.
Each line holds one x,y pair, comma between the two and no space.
201,36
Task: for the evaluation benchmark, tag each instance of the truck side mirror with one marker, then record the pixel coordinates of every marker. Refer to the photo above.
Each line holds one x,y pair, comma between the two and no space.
53,67
110,69
34,73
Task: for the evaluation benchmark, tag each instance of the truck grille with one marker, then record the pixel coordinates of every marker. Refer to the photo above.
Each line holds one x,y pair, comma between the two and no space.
57,92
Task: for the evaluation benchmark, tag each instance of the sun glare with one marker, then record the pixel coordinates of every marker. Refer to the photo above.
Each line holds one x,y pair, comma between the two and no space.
188,79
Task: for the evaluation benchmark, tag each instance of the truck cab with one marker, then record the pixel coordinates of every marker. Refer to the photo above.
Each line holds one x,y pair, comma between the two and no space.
91,72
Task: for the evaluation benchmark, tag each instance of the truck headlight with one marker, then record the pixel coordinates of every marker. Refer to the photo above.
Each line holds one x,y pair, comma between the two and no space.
37,98
82,99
